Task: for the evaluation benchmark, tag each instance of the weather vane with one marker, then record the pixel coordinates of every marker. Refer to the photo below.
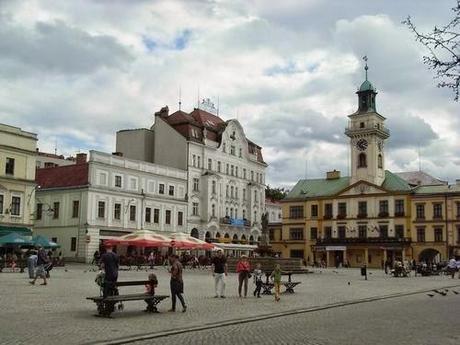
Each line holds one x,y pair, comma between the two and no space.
365,67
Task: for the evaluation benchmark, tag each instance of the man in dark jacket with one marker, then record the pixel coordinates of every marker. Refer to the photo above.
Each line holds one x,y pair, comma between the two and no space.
110,264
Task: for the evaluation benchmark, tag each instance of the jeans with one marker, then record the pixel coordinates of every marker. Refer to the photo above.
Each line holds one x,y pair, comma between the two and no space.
243,278
177,288
219,284
258,287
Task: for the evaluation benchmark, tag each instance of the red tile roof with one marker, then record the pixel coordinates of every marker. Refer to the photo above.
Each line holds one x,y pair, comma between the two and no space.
192,126
62,176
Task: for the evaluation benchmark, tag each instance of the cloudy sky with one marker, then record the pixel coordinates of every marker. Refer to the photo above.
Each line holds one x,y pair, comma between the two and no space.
75,72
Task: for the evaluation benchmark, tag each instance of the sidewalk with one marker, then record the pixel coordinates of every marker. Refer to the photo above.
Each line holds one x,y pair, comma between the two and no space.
59,312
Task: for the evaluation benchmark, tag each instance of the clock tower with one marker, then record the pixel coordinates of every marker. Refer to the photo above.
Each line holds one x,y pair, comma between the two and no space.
367,135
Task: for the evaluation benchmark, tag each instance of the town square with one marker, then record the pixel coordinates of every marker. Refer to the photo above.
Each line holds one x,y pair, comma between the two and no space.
229,172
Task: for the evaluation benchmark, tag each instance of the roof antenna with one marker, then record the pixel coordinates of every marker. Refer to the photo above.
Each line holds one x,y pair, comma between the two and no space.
198,98
365,67
180,98
55,147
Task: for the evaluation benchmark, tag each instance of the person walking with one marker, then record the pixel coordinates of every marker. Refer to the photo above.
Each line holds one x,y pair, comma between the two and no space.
42,259
219,272
110,264
257,280
151,260
276,276
176,283
32,263
452,267
243,268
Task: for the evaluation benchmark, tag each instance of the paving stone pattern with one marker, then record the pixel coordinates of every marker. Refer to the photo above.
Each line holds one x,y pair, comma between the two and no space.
59,313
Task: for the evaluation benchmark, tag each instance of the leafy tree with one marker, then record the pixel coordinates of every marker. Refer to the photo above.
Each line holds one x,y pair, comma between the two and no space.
275,193
443,44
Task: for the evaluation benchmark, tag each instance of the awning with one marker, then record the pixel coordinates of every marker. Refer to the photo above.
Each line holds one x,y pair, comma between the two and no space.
21,230
14,239
232,246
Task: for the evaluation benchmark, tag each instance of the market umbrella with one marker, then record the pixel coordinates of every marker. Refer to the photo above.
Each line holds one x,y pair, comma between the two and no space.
14,239
141,238
44,242
183,241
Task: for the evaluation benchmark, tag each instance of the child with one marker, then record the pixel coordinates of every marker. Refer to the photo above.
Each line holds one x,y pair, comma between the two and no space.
257,280
150,290
276,276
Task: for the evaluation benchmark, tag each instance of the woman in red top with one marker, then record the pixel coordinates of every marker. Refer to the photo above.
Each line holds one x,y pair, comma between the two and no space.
243,268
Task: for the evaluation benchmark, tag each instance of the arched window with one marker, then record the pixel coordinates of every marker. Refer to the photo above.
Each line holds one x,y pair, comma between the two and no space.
362,161
195,233
380,161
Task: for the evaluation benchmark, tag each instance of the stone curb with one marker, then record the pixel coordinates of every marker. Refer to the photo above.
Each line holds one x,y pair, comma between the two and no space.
231,322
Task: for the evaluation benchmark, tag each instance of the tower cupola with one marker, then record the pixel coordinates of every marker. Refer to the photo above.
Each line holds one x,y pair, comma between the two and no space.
366,95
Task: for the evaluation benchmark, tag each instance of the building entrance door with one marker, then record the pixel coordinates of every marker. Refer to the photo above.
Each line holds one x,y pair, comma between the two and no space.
338,258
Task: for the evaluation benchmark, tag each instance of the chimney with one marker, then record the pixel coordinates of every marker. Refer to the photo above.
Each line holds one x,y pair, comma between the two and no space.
81,158
332,175
118,153
164,112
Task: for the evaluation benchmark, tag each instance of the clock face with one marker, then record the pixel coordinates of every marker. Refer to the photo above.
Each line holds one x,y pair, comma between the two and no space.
362,144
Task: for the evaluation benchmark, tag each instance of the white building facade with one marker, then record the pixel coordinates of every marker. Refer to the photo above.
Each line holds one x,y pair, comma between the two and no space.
82,204
226,171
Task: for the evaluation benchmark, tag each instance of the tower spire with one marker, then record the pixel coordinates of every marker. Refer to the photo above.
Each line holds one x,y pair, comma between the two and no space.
365,67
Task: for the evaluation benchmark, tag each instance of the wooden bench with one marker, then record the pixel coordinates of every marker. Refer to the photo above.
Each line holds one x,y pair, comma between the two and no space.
106,306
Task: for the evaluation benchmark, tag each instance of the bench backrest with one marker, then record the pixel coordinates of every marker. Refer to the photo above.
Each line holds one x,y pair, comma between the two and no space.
133,283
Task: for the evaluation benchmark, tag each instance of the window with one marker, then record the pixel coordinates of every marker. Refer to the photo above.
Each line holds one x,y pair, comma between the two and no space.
314,211
383,231
9,167
132,213
399,231
420,211
383,208
255,196
118,181
156,215
328,232
56,210
244,194
101,209
296,212
240,153
224,149
252,175
362,162
39,210
244,173
168,217
342,208
236,192
313,233
1,204
209,164
362,231
328,211
236,171
198,161
213,210
458,209
296,234
195,209
194,160
218,166
458,234
148,214
399,208
180,218
244,214
226,190
362,209
420,234
117,211
361,125
227,169
73,244
171,190
54,239
342,232
231,192
297,253
437,211
15,206
75,208
161,188
232,150
232,170
380,161
213,187
438,234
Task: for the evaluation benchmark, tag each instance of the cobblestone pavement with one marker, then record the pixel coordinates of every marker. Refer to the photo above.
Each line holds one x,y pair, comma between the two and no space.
58,313
409,320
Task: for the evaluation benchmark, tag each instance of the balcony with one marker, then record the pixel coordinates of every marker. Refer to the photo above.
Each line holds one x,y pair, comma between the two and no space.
383,214
341,216
362,215
328,216
399,214
437,217
357,240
